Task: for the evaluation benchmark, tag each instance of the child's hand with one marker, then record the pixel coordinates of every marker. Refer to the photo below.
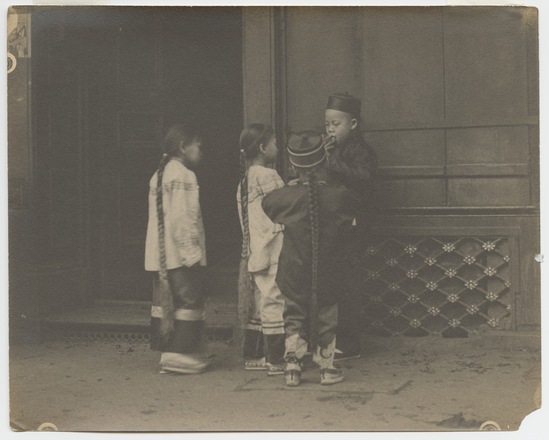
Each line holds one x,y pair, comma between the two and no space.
293,182
328,142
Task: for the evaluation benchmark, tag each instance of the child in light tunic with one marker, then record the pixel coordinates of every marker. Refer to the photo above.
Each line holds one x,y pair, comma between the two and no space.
261,302
175,251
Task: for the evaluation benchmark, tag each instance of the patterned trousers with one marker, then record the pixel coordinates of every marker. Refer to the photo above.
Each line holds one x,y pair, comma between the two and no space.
264,333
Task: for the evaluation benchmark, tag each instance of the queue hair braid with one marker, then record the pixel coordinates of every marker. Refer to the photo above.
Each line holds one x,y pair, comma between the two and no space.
315,234
245,283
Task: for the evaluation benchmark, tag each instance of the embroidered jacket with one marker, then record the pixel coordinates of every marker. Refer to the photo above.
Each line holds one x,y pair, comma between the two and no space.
265,236
183,226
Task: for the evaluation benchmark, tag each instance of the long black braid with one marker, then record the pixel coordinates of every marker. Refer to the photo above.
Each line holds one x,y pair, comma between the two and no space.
160,215
315,233
245,285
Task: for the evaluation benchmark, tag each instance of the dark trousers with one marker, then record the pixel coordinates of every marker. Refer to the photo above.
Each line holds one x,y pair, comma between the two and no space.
297,318
186,288
350,323
257,345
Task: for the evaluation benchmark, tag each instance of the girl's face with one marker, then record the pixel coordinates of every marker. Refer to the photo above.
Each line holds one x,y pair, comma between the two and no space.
192,153
339,125
271,150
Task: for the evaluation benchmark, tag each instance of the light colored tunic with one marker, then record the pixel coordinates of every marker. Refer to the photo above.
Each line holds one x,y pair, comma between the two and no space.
265,236
183,226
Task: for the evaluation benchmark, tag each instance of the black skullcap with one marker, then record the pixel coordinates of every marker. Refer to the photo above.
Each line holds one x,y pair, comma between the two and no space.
344,103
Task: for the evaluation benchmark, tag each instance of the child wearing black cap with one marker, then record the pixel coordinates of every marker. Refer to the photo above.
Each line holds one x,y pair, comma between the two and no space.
352,162
315,215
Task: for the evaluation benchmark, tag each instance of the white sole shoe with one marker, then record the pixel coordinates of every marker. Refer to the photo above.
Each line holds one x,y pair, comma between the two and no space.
166,369
182,363
329,376
275,370
255,365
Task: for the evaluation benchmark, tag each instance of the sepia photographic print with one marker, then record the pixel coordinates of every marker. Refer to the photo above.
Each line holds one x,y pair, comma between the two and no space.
273,219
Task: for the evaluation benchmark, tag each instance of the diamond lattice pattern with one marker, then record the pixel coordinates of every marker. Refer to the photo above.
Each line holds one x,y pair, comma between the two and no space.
445,286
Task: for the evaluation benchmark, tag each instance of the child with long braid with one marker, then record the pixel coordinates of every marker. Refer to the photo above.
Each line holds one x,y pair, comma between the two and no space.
175,250
261,304
315,215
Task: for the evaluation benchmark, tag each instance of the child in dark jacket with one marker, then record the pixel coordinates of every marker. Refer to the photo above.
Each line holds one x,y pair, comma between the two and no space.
316,216
352,162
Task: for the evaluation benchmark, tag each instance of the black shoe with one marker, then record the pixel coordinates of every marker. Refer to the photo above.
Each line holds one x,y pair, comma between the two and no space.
345,355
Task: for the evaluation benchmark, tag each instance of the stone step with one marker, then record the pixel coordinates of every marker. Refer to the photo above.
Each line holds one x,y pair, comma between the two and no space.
130,320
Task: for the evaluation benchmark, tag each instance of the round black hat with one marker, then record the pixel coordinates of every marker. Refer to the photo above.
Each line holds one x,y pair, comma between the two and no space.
344,103
305,149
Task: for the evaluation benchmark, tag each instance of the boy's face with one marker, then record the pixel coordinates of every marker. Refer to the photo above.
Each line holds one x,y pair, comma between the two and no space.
192,153
271,150
339,125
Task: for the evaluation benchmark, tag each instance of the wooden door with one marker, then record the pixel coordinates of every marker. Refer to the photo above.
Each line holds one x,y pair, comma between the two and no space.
153,67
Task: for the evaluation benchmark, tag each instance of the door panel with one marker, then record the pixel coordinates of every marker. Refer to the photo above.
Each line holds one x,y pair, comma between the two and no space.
165,66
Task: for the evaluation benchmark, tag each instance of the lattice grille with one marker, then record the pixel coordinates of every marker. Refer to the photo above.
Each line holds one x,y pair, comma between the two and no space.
446,286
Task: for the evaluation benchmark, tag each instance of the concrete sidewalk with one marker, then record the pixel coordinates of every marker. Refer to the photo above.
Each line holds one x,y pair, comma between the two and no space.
399,384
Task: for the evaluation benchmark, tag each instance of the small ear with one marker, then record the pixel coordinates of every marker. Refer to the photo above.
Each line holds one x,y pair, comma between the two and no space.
262,148
354,123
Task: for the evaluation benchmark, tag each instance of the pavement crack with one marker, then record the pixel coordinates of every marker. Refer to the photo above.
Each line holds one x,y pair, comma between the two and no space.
400,388
242,387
